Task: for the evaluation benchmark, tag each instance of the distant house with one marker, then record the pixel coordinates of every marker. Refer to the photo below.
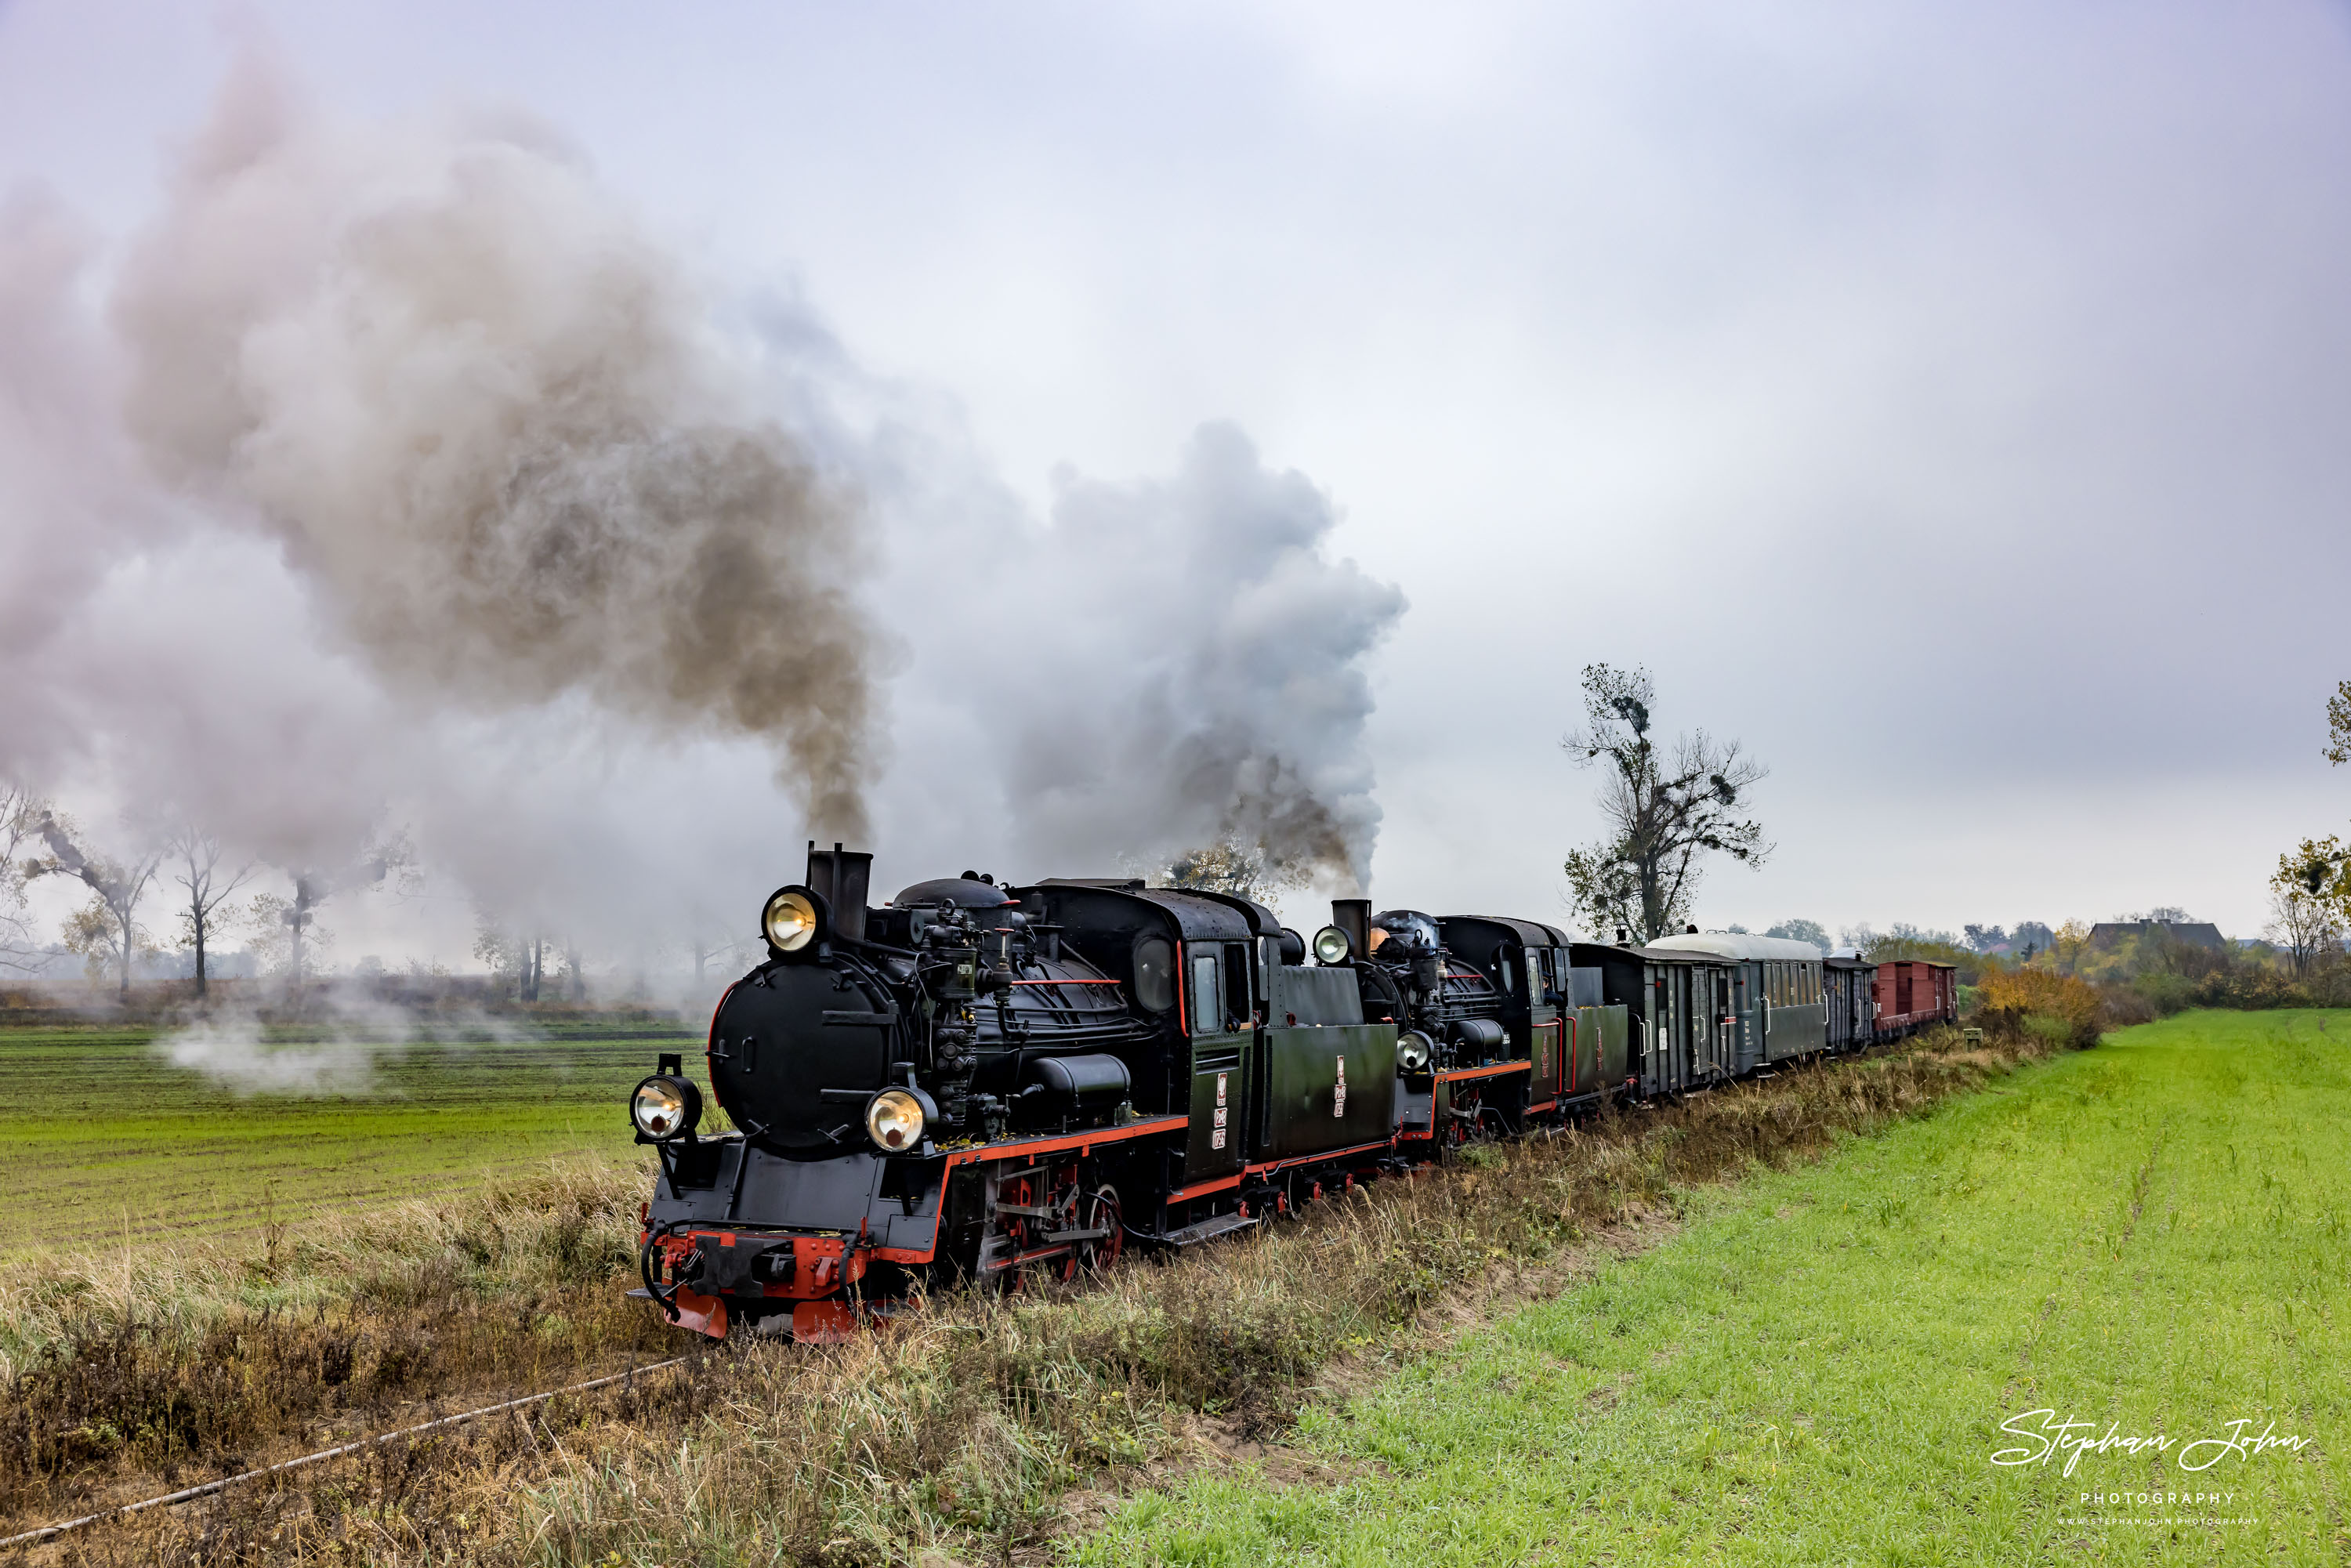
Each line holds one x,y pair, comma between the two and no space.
2192,933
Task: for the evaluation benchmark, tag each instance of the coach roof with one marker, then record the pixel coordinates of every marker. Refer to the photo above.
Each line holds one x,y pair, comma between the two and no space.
1746,948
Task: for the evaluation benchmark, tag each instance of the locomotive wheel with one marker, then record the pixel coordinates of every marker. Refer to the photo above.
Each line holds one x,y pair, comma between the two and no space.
1097,1209
1303,1190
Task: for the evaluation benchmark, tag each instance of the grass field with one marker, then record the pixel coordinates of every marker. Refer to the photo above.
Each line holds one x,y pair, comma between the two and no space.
103,1140
2151,1238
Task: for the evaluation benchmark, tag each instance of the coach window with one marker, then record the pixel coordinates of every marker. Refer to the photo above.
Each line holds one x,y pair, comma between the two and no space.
1208,998
1154,974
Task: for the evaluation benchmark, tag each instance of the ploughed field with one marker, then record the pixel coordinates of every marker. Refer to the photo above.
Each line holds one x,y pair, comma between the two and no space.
104,1140
2152,1238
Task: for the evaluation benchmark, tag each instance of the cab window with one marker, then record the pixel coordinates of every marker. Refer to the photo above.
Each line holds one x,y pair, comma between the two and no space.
1154,974
1207,993
1236,981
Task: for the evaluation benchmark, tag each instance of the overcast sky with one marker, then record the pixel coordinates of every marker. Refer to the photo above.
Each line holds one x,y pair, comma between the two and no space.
1951,402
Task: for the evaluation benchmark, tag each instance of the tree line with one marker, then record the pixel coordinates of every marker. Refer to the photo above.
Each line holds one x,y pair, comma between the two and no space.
210,894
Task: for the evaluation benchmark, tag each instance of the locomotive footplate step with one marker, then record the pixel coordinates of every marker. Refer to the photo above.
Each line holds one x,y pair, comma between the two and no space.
1207,1229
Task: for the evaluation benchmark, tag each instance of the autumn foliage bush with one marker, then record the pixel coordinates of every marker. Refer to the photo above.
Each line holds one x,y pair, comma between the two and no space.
2027,993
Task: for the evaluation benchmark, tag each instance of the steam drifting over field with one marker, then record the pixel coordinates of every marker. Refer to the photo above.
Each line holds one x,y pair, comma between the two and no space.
404,478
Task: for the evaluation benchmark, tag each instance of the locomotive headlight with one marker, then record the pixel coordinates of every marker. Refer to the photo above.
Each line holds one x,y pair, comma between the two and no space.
893,1119
1412,1051
1331,945
665,1106
791,921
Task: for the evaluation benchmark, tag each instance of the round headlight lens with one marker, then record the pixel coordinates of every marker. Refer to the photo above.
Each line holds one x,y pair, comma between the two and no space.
665,1107
789,922
1331,945
893,1119
1412,1051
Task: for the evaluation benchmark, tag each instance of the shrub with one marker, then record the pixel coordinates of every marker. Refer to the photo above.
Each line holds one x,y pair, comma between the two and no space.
2165,994
2251,987
2023,994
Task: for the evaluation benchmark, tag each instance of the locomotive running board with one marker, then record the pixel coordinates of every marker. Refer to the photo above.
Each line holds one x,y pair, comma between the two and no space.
1205,1230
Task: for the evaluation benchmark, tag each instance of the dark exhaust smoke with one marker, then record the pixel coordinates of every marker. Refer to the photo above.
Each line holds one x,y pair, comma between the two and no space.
490,424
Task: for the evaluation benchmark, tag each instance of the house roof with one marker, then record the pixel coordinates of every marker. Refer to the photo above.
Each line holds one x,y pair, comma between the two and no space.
2195,932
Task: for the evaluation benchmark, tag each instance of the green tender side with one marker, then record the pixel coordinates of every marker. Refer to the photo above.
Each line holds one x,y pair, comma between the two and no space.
1302,1110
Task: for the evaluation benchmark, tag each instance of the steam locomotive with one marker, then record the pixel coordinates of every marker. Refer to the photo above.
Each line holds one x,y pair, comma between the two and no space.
980,1082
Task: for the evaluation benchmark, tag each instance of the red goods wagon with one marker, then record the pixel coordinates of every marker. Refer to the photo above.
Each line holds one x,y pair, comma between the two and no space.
1913,993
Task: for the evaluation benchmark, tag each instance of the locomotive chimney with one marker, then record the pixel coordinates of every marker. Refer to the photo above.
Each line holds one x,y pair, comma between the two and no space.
1354,915
844,877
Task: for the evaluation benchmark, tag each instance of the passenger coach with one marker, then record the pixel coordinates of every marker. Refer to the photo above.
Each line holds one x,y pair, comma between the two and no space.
1776,1006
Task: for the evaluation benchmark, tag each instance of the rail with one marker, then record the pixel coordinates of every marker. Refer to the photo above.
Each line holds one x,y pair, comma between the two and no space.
33,1537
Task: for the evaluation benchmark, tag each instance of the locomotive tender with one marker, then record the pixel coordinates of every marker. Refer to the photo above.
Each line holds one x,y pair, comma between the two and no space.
975,1081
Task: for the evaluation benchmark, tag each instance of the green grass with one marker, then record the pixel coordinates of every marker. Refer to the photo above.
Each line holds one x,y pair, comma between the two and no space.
2154,1234
103,1140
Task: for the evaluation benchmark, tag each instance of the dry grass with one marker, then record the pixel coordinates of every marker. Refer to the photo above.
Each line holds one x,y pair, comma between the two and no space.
958,1433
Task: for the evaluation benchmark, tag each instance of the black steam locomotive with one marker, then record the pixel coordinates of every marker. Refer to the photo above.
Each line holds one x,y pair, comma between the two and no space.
980,1083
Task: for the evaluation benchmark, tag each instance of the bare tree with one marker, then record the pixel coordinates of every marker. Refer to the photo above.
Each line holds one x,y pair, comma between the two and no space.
21,812
712,938
502,952
390,857
195,857
116,887
1667,815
